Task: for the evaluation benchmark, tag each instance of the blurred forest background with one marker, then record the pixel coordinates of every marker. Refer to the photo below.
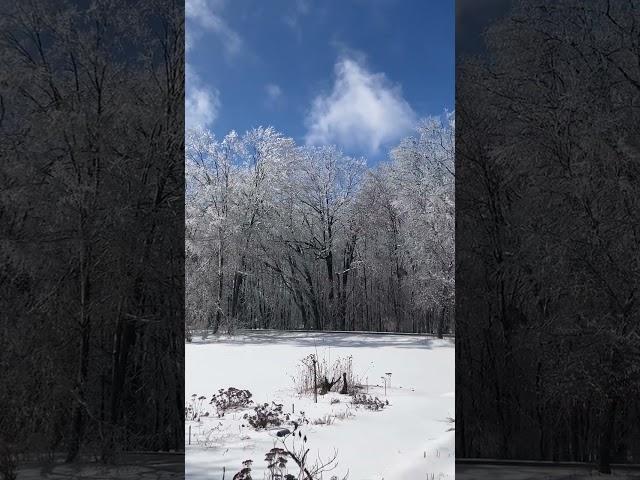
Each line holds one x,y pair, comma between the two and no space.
548,236
92,225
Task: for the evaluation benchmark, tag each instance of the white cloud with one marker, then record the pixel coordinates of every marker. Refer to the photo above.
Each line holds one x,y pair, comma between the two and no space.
364,110
201,107
300,9
206,14
189,39
274,92
201,104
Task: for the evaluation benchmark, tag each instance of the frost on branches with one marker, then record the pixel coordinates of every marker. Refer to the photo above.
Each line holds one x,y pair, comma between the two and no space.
285,236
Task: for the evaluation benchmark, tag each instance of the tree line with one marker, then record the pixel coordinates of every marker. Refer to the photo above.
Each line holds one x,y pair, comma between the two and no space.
285,236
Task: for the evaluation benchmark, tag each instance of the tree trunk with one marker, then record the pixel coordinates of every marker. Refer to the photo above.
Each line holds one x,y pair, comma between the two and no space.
123,339
441,322
311,295
238,279
346,266
345,387
326,385
329,264
366,300
218,316
77,415
604,462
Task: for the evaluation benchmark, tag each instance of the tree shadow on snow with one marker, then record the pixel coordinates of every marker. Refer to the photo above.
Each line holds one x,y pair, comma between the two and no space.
330,339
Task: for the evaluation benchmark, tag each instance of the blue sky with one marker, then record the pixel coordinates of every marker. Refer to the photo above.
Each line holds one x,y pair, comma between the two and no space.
357,73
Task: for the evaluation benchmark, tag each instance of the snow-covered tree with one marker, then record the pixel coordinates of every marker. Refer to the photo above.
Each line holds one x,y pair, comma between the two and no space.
286,236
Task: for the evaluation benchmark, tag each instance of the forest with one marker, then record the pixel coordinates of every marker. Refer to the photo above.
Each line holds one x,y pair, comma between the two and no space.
287,236
547,237
91,215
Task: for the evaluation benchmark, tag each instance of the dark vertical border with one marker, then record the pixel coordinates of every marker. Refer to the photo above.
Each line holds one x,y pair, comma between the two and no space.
92,242
547,277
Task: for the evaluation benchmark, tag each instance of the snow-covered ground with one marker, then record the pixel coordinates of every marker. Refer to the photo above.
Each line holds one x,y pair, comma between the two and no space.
407,439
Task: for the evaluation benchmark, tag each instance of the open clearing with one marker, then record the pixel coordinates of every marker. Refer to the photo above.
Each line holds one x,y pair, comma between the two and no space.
410,438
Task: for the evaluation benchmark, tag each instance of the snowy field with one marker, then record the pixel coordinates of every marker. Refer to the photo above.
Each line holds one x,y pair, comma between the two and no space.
410,438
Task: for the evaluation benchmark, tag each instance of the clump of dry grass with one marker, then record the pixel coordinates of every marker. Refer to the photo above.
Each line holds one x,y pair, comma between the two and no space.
330,376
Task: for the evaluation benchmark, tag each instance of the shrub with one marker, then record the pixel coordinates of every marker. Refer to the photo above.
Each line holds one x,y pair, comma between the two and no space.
337,376
282,461
245,472
369,402
330,418
266,416
277,460
326,419
195,408
230,399
300,420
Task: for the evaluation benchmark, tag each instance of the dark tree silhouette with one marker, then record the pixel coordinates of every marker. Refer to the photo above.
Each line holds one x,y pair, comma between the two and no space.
92,222
547,280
